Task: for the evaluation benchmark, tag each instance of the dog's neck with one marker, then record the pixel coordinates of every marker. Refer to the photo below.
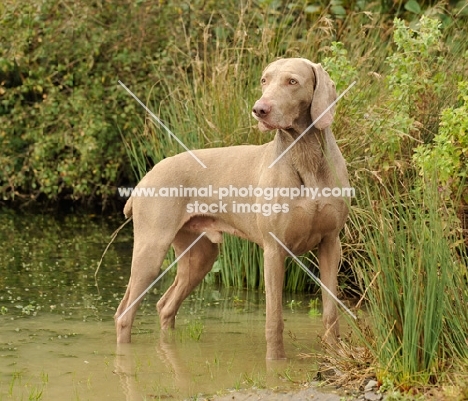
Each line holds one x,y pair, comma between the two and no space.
307,155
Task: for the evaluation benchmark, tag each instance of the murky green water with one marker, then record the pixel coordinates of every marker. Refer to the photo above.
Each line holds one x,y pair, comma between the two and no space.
57,339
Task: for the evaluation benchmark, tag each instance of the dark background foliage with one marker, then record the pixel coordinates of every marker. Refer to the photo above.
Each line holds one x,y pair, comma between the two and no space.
62,111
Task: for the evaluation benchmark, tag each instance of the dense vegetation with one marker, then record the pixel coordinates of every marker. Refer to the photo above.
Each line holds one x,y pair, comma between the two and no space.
63,114
68,130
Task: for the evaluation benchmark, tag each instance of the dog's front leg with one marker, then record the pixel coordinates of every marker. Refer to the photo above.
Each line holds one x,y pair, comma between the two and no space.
274,278
329,253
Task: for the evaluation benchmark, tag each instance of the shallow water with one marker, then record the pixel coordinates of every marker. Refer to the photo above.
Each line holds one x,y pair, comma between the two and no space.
57,339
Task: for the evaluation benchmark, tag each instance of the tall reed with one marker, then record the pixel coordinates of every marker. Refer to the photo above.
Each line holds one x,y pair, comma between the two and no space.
416,289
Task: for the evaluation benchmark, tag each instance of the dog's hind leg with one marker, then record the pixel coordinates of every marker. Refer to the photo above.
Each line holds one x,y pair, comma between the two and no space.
148,257
191,270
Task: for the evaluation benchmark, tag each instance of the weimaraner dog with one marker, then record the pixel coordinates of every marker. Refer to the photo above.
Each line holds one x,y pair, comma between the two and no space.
295,92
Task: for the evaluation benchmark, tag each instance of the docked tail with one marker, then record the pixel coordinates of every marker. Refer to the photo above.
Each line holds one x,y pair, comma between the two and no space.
128,208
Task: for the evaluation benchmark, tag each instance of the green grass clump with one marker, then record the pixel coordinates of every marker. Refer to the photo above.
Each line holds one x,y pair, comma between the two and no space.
417,293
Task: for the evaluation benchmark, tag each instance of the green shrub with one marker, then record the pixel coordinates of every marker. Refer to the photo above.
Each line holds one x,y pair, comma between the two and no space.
447,156
407,112
60,104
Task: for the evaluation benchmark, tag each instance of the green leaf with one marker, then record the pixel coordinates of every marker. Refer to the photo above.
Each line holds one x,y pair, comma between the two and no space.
413,7
338,10
312,9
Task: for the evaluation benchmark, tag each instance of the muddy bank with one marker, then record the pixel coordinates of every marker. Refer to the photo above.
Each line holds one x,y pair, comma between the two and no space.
270,395
369,393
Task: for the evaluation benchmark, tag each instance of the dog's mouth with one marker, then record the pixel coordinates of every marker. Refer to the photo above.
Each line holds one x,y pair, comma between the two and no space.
264,126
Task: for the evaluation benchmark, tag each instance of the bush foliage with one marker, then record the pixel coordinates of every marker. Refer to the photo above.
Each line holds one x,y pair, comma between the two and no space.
61,108
62,112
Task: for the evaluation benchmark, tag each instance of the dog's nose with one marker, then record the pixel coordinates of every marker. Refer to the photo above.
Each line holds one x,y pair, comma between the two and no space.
261,108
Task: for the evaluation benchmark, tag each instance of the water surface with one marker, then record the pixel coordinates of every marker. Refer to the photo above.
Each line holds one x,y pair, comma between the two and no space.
57,339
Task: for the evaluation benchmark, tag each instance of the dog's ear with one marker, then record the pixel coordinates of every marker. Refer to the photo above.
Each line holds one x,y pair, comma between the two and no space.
324,96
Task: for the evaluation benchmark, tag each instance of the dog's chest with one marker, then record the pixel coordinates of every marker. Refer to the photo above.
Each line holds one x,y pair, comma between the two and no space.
309,222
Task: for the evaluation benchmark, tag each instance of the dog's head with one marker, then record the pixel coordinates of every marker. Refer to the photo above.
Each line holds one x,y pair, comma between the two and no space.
295,92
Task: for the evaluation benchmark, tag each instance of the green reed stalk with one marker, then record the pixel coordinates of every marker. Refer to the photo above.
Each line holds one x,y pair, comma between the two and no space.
416,289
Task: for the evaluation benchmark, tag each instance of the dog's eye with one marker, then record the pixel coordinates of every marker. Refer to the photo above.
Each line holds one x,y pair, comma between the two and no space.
292,81
263,81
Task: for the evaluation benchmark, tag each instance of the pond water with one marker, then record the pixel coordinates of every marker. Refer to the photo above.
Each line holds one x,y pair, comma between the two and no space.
57,338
